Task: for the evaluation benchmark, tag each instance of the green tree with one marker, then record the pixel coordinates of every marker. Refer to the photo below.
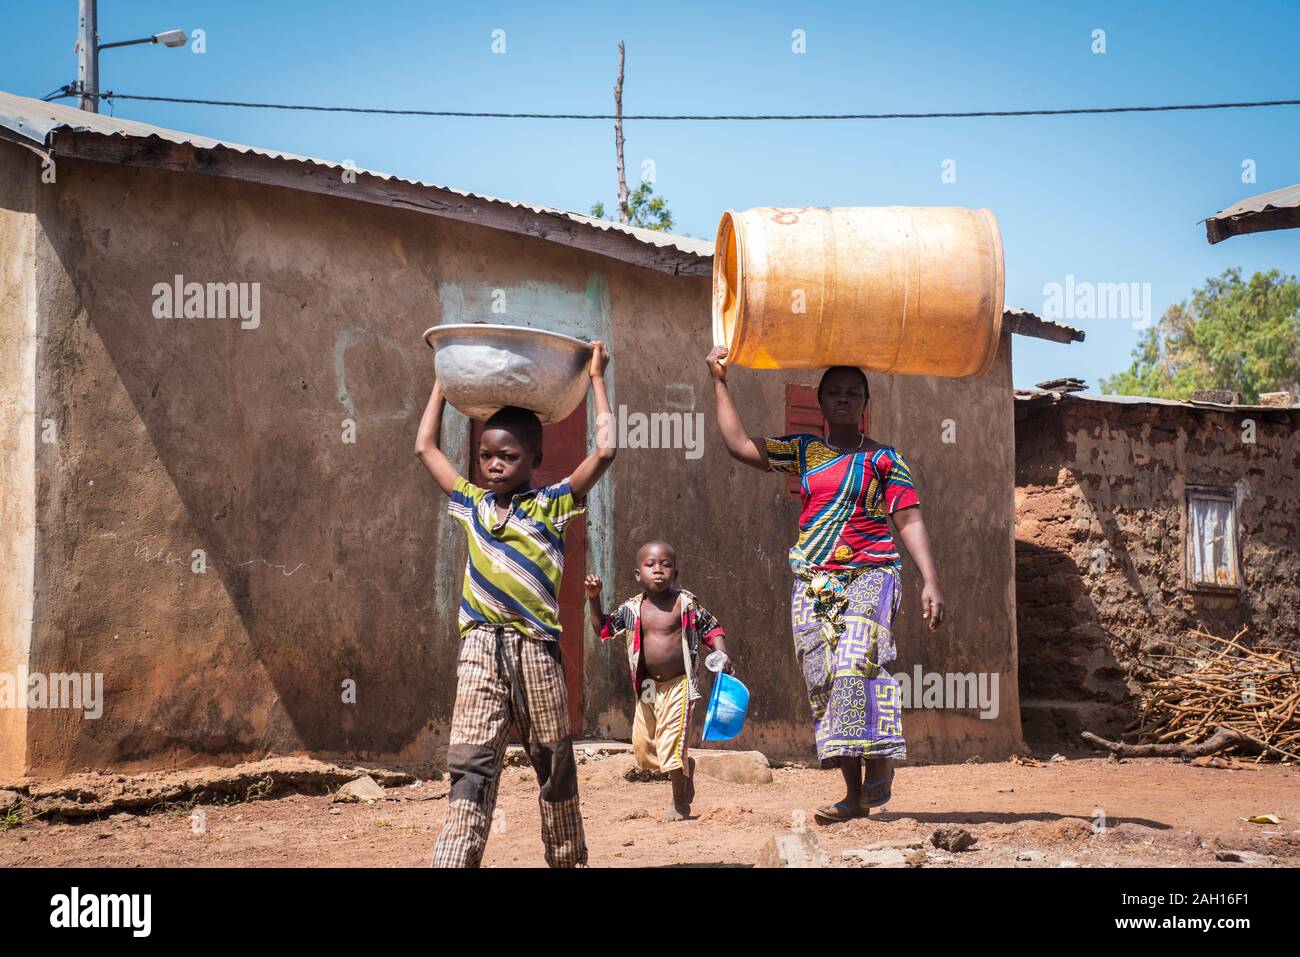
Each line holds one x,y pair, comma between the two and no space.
644,208
1232,334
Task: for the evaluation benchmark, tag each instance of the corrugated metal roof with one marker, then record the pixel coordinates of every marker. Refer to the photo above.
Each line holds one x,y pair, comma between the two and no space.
38,122
1037,397
1279,209
1025,323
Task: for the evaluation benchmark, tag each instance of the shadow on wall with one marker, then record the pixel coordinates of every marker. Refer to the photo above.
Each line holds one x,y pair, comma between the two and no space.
326,548
1070,679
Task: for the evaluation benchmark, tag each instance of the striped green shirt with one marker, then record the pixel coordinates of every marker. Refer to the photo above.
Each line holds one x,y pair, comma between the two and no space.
514,568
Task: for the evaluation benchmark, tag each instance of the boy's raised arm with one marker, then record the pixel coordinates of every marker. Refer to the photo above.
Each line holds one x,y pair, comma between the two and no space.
595,614
591,468
742,447
428,442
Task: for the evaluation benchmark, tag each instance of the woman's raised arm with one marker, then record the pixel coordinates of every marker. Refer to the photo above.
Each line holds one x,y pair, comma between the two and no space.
742,447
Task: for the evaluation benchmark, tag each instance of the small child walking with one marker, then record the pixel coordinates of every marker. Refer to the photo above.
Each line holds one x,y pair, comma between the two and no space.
509,664
664,627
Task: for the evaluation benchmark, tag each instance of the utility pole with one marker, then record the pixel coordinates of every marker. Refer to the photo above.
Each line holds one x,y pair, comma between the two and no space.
623,214
88,56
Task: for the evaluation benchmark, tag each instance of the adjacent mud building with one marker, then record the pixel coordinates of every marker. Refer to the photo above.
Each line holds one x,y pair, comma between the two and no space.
1139,522
223,516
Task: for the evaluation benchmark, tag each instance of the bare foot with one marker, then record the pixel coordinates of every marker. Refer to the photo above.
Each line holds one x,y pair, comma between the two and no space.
677,812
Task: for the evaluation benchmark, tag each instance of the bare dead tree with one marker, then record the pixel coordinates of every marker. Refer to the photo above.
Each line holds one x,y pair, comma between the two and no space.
624,215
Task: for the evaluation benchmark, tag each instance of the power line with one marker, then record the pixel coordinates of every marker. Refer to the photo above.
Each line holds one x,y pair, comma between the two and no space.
1074,111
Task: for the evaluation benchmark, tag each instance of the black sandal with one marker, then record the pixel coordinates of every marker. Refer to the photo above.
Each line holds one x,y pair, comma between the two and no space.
838,813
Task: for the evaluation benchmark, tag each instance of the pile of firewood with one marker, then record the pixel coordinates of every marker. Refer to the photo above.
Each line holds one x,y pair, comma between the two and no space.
1224,697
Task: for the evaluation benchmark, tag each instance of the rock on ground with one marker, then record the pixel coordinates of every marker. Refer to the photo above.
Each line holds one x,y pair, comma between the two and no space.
952,837
736,767
793,850
362,789
877,857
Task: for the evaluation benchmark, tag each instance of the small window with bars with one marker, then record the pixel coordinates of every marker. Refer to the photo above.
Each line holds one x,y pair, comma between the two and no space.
1212,547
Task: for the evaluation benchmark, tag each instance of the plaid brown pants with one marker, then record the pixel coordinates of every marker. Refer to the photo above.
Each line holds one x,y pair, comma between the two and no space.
504,675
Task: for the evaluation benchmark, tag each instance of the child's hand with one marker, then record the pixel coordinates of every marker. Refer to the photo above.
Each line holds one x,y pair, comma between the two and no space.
715,363
729,666
592,584
599,359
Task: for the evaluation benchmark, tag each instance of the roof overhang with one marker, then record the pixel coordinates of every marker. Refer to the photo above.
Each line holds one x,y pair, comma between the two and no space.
63,131
1279,209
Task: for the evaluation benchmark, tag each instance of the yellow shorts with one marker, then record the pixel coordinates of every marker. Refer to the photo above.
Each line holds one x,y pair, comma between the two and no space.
662,725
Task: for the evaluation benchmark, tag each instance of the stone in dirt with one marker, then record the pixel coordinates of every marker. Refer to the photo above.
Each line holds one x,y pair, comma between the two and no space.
1029,855
793,850
642,775
906,844
952,837
877,857
1242,857
737,767
8,799
362,789
1128,832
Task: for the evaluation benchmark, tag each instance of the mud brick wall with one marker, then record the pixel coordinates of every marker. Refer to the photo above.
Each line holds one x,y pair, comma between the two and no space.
1100,542
328,560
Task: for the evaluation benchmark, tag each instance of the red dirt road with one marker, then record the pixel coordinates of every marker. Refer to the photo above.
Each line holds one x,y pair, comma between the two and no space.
1157,812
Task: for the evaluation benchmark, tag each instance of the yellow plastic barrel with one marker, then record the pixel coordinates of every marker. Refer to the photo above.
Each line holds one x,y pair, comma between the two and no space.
915,290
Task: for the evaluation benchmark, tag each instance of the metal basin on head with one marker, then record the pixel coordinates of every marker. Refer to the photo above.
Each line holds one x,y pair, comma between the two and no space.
485,367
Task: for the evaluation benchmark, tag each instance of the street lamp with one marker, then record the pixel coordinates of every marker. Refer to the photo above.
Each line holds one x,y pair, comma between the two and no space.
168,38
88,47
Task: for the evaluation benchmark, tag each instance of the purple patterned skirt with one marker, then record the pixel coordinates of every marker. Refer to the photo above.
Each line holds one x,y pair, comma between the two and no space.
843,638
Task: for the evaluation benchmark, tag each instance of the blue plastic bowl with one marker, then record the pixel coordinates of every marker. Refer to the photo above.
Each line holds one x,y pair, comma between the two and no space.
728,704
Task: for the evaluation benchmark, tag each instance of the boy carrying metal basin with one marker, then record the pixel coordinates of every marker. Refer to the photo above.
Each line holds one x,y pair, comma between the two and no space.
509,666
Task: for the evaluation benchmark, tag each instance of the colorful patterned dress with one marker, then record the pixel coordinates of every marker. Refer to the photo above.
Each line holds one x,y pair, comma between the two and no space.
846,591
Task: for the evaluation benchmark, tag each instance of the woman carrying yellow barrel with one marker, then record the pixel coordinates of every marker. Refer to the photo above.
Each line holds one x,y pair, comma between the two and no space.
846,569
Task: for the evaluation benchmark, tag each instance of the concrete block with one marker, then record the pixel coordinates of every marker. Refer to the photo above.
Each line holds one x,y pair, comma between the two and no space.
877,857
737,767
793,850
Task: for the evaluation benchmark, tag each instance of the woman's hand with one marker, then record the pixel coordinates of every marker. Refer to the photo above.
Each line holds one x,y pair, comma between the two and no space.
714,361
599,360
932,604
592,585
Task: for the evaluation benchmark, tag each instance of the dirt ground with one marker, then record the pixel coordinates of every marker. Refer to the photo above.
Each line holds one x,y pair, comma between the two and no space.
1157,813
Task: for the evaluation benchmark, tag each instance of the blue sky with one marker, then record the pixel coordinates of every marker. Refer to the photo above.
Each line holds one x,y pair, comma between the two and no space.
1102,198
